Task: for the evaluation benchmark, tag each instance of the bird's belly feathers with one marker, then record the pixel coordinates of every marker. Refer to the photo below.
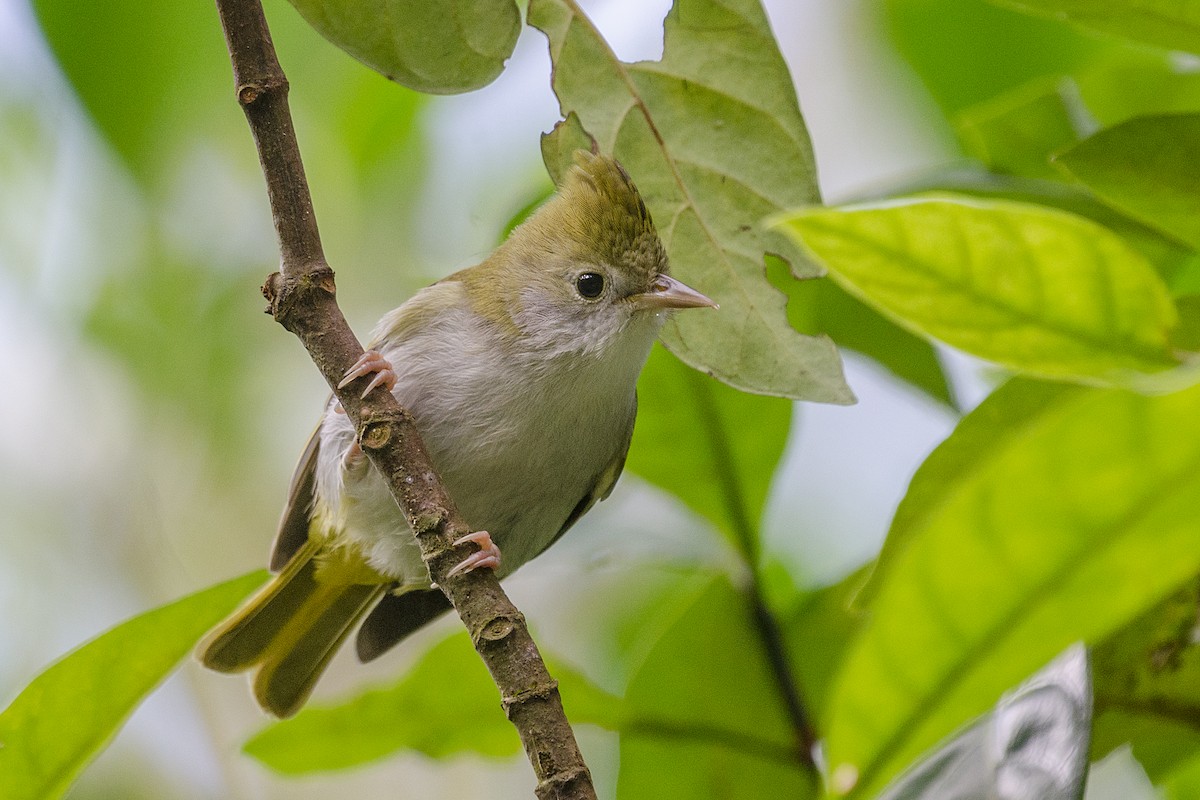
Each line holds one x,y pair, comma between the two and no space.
516,447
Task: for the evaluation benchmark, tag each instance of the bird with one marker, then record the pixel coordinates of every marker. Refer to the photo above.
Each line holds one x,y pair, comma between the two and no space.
520,374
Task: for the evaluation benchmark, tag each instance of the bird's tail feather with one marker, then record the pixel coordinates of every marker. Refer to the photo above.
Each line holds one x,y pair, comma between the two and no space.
290,630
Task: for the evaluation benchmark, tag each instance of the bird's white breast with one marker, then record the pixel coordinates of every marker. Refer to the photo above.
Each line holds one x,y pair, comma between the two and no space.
518,436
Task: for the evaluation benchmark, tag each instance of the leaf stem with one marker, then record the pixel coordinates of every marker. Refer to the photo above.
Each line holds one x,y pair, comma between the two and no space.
765,622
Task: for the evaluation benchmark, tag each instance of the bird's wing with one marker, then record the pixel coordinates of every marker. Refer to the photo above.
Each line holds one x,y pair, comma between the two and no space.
602,487
297,513
395,326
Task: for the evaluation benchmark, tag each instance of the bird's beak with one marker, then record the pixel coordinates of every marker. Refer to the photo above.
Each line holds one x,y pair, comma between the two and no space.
666,292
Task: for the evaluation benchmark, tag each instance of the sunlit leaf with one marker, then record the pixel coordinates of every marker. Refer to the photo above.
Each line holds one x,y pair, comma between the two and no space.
438,46
713,447
703,715
1028,287
1177,263
713,136
1147,168
58,723
1063,532
1166,23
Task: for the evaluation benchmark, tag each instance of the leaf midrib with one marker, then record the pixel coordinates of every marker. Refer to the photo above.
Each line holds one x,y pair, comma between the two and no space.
1020,315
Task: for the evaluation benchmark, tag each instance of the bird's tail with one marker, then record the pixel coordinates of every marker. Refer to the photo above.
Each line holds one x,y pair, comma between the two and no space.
289,631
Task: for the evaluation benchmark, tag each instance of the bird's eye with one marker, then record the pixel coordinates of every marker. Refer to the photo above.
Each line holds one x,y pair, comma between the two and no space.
590,285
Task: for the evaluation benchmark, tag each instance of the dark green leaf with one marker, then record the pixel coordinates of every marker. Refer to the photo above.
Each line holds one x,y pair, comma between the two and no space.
967,51
818,631
68,713
1063,532
1147,168
438,46
713,447
713,136
1029,287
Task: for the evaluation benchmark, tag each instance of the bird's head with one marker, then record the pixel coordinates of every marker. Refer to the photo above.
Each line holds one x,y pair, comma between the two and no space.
587,271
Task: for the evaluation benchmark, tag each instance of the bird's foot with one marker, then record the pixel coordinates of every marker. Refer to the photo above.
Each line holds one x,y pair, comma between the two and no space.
354,457
371,361
488,555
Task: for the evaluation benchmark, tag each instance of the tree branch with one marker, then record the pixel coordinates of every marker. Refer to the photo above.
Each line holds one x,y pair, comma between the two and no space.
302,299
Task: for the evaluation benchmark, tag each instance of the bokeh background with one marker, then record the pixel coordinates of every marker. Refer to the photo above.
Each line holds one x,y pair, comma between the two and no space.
151,413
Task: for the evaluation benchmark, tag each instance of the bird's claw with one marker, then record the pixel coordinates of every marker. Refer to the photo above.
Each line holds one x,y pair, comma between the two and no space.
488,555
371,361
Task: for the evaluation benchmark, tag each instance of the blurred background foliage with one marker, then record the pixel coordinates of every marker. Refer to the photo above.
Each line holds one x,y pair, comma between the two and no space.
154,413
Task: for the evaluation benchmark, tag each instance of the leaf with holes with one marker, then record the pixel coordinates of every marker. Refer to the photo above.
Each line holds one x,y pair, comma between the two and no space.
713,136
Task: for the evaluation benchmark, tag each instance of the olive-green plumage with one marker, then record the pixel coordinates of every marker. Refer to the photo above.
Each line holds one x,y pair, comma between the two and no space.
520,375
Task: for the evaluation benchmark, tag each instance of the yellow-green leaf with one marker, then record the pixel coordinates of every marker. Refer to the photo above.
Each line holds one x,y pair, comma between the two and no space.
1064,531
58,723
1032,288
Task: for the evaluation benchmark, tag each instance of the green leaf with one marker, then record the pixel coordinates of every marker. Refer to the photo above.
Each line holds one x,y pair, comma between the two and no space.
1028,287
1167,23
713,136
818,631
821,306
437,46
1146,168
703,717
181,332
1017,408
1177,263
1148,684
968,51
1062,532
145,72
1016,132
445,705
733,443
66,715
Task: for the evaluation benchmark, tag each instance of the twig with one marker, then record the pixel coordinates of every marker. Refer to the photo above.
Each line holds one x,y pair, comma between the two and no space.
301,298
